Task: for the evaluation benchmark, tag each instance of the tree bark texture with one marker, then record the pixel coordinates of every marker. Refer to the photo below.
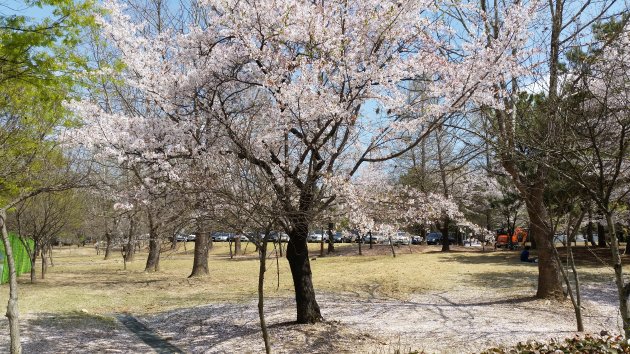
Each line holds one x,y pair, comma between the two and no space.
153,260
549,273
108,248
237,245
13,313
200,260
297,255
446,242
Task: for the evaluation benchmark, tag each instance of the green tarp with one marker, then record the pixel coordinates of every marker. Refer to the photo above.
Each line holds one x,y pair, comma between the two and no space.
22,262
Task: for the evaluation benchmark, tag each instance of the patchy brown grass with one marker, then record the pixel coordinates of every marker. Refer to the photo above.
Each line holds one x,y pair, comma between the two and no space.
82,280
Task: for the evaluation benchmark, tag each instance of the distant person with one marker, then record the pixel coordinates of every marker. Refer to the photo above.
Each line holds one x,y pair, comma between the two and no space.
525,256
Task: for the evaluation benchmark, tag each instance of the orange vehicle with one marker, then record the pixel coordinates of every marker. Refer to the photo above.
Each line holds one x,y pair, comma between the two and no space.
519,237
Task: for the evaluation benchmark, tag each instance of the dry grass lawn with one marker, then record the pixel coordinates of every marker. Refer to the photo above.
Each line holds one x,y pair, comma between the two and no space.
81,280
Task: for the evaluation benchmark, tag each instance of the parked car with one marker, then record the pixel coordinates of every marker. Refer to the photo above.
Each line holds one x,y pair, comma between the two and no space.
275,236
376,238
434,238
315,237
400,238
337,238
416,240
191,237
220,236
179,238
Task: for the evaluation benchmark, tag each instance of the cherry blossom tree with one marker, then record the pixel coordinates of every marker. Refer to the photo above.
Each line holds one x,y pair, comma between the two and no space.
301,91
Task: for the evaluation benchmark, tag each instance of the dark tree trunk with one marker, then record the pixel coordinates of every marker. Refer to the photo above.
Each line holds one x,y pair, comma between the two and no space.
108,248
601,235
446,243
200,260
297,255
153,260
549,274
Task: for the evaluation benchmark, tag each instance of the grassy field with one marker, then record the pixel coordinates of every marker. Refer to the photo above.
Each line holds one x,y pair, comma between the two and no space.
81,280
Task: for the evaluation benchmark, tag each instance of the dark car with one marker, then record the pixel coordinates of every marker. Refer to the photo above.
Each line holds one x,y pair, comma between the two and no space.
434,238
337,238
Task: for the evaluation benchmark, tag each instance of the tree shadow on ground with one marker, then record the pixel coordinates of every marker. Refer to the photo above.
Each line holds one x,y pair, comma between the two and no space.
509,277
219,326
498,258
583,258
78,332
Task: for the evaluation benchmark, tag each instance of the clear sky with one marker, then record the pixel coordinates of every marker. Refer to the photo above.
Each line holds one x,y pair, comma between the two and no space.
13,7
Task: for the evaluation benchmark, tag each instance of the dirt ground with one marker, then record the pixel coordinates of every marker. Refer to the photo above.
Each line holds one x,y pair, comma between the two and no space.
479,309
456,321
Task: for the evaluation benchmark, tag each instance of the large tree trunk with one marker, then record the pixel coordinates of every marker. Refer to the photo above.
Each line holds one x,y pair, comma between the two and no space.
237,245
13,313
153,259
549,274
297,255
200,260
446,243
108,248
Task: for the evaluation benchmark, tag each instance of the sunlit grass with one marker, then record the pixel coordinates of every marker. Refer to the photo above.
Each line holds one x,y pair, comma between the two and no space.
82,280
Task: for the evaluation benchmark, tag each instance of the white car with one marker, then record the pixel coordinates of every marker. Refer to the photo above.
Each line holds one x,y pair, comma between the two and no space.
314,237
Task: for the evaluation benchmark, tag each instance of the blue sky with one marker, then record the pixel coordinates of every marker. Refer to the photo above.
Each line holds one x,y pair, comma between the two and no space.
13,7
